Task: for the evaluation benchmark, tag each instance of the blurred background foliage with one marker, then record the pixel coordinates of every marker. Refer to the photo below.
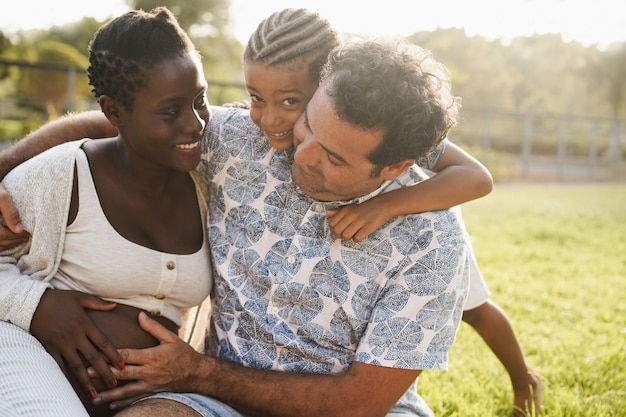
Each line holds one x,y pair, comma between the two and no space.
540,74
34,80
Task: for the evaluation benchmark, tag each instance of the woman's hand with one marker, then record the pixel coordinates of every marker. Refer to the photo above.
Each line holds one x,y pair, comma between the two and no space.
62,326
166,367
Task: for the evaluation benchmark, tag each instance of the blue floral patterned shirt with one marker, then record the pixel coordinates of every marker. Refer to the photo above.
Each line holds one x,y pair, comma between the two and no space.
291,297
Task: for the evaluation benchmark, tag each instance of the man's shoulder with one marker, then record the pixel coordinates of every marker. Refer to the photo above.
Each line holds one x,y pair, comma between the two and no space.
412,175
448,217
445,227
231,116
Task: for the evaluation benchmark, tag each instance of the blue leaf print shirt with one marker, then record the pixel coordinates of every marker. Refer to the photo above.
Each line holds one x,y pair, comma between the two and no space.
291,297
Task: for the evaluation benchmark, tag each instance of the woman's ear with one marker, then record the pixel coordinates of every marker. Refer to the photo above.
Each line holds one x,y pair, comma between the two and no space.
111,109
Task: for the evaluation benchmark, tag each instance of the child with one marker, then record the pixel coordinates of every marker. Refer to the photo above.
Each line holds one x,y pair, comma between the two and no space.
121,218
282,64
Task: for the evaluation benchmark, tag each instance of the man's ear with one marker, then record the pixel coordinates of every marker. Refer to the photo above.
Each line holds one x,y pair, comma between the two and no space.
391,172
111,109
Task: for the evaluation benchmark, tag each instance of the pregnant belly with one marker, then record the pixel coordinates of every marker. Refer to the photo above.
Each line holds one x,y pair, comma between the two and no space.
121,327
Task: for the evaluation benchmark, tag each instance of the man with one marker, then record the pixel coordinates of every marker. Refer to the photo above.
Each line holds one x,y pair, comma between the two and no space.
305,324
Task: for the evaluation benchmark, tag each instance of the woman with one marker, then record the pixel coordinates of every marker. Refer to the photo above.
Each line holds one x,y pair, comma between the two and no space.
121,218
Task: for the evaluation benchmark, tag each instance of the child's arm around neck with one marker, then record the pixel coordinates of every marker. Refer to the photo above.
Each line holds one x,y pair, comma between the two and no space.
458,178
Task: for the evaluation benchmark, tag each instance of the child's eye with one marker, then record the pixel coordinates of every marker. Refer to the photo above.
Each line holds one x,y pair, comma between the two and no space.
290,101
170,111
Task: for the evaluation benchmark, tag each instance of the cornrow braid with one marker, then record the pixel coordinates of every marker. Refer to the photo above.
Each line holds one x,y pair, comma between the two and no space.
292,37
126,47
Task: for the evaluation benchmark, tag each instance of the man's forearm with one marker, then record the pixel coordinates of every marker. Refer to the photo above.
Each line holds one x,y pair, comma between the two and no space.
366,390
91,124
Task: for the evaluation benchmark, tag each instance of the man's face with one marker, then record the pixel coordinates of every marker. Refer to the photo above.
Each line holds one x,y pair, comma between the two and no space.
330,163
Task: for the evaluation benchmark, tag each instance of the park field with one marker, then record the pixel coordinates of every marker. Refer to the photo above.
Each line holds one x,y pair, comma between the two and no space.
554,257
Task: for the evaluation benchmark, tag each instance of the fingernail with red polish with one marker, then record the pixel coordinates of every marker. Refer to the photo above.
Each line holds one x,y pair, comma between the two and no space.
120,365
112,383
92,394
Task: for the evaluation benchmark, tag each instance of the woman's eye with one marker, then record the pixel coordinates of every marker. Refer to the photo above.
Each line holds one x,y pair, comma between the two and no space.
255,99
202,102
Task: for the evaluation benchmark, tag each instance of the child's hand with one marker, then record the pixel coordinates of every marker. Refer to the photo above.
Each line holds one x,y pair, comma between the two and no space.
241,104
358,221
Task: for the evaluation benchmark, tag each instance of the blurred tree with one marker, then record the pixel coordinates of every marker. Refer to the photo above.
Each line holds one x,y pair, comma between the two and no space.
5,44
609,75
197,17
477,66
52,88
207,23
78,34
538,74
615,73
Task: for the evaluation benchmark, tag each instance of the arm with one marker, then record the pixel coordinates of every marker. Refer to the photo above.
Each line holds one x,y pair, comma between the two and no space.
459,178
41,188
175,366
91,124
492,324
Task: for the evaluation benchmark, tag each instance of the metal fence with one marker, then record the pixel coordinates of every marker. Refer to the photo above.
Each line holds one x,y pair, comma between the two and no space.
62,89
545,146
513,145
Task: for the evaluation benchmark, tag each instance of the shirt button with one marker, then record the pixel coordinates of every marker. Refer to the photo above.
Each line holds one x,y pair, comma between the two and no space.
155,312
284,351
275,310
319,207
170,265
291,259
159,296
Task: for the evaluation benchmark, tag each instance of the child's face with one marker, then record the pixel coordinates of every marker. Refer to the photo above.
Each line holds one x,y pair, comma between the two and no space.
169,115
278,96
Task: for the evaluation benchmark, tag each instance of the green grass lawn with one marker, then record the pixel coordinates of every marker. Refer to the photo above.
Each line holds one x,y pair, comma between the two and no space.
554,258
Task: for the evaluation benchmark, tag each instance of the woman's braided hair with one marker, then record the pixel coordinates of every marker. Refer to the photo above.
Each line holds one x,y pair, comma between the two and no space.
124,48
292,37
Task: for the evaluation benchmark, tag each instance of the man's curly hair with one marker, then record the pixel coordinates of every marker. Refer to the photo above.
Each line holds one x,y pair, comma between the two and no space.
396,87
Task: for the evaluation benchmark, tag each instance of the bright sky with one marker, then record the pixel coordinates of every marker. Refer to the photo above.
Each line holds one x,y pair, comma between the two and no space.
590,22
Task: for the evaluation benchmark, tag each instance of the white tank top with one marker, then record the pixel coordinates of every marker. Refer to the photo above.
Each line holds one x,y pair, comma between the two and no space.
99,261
